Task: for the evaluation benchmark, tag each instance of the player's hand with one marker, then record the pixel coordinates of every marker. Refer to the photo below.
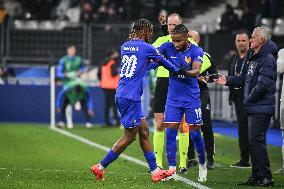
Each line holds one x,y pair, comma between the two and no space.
181,71
202,79
221,80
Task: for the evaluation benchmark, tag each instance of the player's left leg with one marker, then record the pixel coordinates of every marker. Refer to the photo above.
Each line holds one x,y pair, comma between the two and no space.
117,149
194,119
87,113
130,119
156,172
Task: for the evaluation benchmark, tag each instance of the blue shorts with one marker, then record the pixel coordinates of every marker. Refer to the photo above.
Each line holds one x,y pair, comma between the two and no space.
176,109
130,112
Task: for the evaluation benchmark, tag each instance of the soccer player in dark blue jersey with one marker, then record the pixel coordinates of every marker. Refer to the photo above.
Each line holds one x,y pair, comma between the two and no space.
137,57
184,96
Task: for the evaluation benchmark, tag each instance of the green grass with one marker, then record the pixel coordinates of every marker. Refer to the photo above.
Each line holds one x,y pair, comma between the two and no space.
34,156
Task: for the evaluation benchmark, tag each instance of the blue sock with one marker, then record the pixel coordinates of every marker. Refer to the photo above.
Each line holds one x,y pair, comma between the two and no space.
171,146
109,158
199,145
151,159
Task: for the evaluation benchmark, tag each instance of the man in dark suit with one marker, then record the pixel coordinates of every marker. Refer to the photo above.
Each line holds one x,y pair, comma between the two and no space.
239,66
259,102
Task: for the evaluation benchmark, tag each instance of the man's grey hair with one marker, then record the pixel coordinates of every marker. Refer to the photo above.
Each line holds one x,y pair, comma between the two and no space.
265,32
175,14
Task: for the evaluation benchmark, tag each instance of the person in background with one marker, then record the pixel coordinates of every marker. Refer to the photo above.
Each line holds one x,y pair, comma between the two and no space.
229,20
73,92
280,69
2,75
70,66
108,75
239,66
259,85
205,109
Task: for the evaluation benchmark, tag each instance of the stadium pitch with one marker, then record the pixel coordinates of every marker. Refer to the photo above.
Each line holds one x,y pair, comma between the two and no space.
35,156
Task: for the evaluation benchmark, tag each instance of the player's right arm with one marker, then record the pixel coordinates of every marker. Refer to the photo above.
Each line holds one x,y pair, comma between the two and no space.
153,54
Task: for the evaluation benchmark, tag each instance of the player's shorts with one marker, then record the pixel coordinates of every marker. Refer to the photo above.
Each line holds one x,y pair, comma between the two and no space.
130,112
160,95
176,109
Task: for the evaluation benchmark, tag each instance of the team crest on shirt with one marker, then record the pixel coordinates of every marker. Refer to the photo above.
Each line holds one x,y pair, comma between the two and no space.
187,59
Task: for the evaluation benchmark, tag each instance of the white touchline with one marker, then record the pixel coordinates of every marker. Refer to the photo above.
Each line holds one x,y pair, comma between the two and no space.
135,160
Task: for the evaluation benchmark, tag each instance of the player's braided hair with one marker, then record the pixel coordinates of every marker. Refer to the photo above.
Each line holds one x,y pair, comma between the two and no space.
180,29
138,26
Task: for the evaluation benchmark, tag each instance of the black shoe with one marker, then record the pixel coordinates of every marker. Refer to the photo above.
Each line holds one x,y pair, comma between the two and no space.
183,170
210,165
191,163
250,182
241,164
266,182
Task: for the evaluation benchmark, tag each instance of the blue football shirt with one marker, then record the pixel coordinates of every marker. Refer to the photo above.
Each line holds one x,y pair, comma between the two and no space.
137,57
182,88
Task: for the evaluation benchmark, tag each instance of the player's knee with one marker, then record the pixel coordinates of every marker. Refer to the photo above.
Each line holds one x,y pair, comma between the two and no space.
145,133
160,126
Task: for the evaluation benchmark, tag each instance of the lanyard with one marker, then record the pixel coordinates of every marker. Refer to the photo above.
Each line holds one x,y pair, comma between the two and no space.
236,64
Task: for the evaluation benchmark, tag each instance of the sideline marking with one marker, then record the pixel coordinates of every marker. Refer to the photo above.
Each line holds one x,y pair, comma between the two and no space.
129,158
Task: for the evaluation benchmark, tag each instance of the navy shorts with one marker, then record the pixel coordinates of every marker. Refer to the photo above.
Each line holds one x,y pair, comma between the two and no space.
130,112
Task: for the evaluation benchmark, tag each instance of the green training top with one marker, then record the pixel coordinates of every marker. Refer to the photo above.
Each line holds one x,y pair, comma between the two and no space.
71,93
163,72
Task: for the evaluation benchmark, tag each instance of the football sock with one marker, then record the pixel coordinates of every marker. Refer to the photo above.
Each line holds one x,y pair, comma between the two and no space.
150,157
183,148
159,142
109,158
171,146
199,145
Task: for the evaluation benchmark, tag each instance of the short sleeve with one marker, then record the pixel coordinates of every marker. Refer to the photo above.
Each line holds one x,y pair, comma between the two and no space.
198,55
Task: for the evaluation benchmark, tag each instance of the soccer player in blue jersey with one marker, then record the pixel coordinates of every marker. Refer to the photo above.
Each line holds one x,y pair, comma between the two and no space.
137,57
184,96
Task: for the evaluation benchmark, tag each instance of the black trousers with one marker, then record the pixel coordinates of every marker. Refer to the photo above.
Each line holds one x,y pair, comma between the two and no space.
206,128
110,104
242,120
258,125
83,106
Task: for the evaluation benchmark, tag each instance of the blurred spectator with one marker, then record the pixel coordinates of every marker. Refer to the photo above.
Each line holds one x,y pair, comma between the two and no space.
3,13
2,75
163,21
280,69
229,20
62,8
74,12
88,14
239,66
13,8
70,66
108,75
6,73
75,92
247,21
